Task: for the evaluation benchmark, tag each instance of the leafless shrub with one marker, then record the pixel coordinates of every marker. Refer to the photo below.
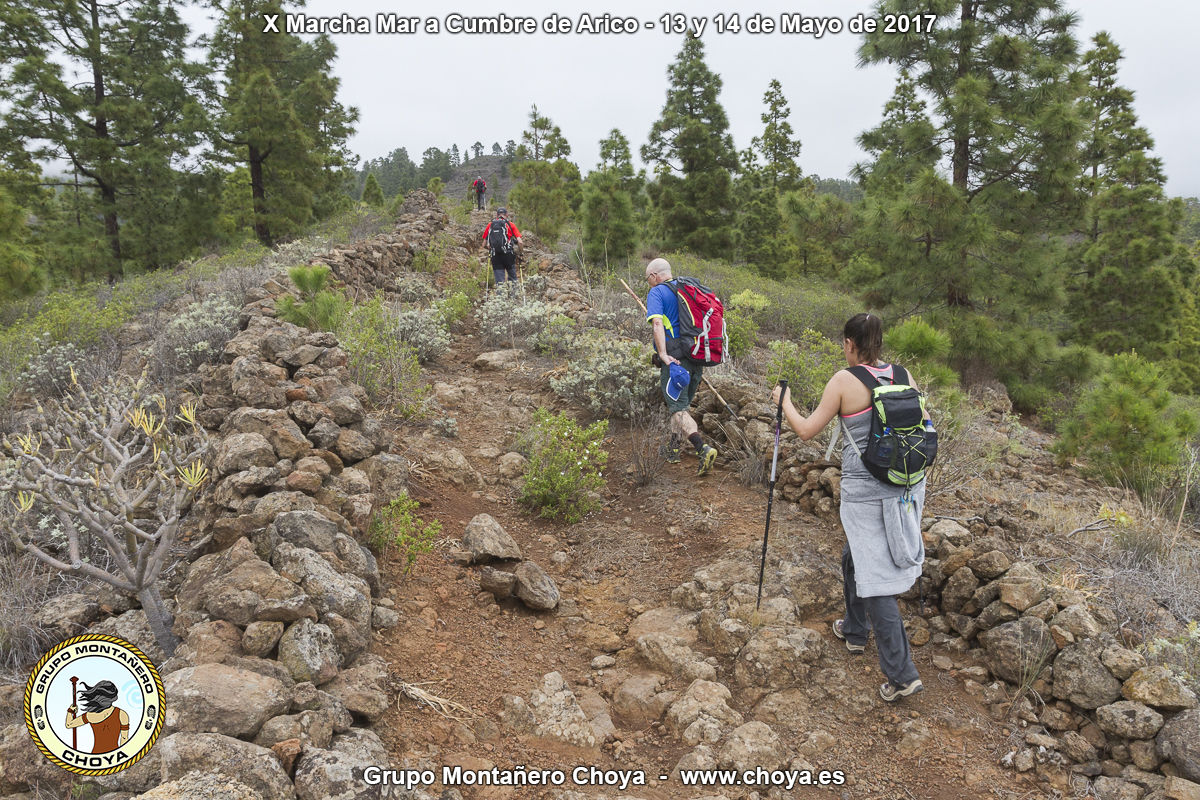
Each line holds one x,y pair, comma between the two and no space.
112,465
646,443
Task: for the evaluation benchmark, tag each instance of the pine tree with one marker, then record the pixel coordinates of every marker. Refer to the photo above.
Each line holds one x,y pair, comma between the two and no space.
477,150
821,226
693,158
372,195
1134,272
546,191
20,273
777,146
609,230
1001,82
455,160
279,115
127,124
496,149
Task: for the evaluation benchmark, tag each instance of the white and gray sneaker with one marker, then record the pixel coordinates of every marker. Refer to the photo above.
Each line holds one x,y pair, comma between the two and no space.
851,646
891,692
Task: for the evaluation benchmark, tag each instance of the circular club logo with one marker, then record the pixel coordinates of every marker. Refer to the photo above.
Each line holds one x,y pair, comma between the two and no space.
94,704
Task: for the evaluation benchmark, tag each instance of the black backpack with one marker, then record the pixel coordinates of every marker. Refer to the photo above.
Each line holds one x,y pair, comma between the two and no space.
899,447
498,238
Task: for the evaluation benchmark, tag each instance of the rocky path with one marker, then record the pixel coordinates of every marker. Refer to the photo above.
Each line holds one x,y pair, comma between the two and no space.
592,682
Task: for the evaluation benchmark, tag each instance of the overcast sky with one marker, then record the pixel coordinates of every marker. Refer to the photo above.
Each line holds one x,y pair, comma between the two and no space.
424,90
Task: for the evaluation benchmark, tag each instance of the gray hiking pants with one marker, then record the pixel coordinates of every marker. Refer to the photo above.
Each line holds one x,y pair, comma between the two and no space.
883,615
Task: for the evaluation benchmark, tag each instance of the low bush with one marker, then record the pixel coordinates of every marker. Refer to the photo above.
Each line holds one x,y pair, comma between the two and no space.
807,363
381,361
318,308
453,308
424,330
396,528
505,319
917,340
1129,427
558,336
566,466
609,378
195,337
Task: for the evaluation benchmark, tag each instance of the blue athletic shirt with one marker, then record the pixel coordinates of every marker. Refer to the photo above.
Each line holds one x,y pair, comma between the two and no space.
662,303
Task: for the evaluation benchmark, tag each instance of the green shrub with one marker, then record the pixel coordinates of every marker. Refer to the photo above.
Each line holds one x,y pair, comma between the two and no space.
396,528
381,361
558,336
742,332
916,339
505,319
1128,427
195,337
609,378
436,185
566,466
453,308
318,308
749,301
807,363
430,257
424,331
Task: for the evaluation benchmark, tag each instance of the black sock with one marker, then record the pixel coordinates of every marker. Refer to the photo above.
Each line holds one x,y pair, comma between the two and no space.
697,442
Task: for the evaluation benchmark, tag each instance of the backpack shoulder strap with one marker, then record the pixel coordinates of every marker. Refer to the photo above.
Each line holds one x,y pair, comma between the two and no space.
900,375
864,375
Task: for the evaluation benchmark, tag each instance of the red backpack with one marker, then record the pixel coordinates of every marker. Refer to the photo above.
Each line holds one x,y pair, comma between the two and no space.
701,321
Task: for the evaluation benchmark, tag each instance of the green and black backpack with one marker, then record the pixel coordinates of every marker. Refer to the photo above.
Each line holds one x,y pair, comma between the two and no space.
900,448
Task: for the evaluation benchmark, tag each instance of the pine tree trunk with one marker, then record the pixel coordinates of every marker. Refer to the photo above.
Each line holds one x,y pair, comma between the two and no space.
108,194
159,619
257,191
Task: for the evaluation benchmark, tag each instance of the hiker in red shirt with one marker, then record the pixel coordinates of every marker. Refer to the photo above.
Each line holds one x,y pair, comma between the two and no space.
502,239
480,187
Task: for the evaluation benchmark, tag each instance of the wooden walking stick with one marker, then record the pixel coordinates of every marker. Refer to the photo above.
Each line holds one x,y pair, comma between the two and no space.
706,383
75,705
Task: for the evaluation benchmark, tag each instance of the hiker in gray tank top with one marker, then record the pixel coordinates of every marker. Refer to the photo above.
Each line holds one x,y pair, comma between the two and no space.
884,550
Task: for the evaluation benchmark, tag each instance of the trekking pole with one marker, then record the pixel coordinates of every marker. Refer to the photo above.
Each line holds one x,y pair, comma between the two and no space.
702,378
74,702
762,564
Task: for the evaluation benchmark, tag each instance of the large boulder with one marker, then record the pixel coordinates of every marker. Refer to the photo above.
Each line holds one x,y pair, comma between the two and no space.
337,773
232,585
202,785
363,687
671,654
217,698
1157,686
552,712
703,713
242,451
306,529
255,767
1017,651
1179,742
487,540
1129,720
534,587
309,652
777,657
753,745
329,590
1081,678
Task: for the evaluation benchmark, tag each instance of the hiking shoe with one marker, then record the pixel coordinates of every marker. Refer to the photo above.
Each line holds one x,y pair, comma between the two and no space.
670,453
708,457
851,646
890,692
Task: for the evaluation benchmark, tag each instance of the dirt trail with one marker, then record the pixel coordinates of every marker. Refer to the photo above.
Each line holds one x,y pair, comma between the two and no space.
621,562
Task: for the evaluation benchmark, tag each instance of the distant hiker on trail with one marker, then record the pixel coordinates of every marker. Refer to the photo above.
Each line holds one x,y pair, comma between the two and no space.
502,239
479,187
680,377
884,550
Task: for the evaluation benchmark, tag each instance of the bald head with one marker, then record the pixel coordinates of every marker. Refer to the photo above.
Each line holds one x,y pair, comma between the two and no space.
659,267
